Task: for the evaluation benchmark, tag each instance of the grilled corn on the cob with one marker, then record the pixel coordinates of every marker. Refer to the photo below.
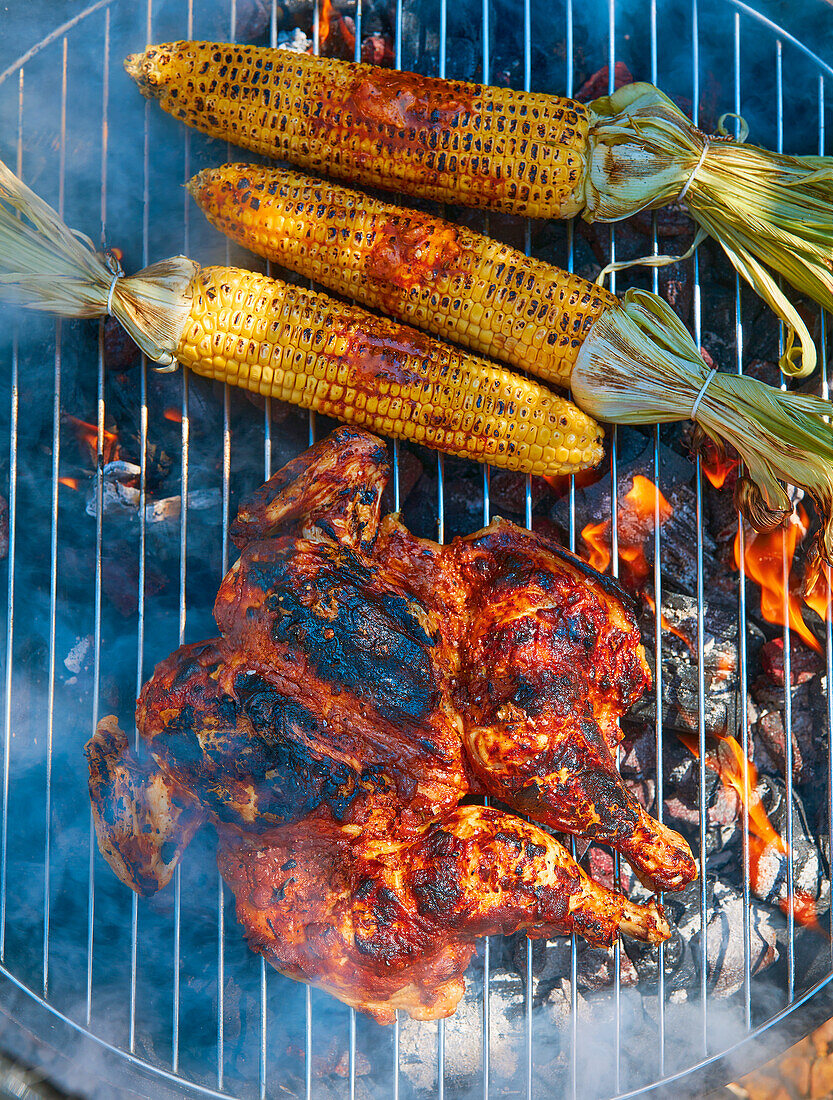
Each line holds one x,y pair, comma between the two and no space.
521,152
448,280
446,140
297,345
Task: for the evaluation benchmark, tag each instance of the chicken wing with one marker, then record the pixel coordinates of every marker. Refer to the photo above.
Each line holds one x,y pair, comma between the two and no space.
333,490
143,820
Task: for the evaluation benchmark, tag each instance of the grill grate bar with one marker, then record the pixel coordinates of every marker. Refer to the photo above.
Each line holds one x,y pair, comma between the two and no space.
487,517
143,447
742,658
134,937
308,1043
570,264
528,990
53,573
785,567
351,1056
177,962
99,516
659,799
442,60
614,553
701,730
10,588
825,390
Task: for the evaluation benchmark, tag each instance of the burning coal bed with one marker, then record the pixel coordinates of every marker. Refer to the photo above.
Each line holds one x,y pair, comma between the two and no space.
163,552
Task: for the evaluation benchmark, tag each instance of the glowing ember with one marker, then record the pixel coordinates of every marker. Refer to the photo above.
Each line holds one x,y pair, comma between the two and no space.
725,668
70,482
764,559
87,436
174,415
664,623
804,910
638,510
730,764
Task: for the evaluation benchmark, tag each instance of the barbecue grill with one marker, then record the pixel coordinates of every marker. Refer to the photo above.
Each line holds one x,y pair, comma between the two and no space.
106,992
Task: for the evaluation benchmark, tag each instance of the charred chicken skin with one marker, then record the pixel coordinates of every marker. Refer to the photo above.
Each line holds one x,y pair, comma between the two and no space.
364,682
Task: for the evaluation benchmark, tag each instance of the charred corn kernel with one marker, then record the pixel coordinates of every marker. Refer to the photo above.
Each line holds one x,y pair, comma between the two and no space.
521,152
420,269
428,386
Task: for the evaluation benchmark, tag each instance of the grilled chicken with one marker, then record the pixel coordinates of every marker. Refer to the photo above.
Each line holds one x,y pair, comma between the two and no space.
364,682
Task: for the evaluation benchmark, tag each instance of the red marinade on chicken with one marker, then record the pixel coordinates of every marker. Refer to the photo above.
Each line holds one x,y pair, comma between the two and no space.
364,683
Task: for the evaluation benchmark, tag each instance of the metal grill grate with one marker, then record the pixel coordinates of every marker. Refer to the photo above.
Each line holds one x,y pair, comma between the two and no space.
157,950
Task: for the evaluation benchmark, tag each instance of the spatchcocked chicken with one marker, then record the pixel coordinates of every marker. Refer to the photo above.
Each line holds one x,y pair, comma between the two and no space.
364,684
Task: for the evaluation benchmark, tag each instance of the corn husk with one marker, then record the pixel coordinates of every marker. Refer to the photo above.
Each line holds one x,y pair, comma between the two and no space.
639,365
45,265
768,211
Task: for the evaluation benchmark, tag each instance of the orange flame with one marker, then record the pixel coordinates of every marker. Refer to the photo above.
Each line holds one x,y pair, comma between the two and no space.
715,462
636,517
719,470
329,18
70,482
764,557
728,762
819,598
596,535
87,436
174,415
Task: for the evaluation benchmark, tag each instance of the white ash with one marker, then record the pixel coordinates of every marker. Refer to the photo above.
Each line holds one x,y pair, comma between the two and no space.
294,40
121,497
76,659
170,508
770,882
680,667
463,1049
725,946
119,490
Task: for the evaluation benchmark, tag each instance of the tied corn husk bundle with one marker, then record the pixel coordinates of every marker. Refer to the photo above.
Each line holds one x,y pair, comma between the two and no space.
765,209
639,365
47,266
